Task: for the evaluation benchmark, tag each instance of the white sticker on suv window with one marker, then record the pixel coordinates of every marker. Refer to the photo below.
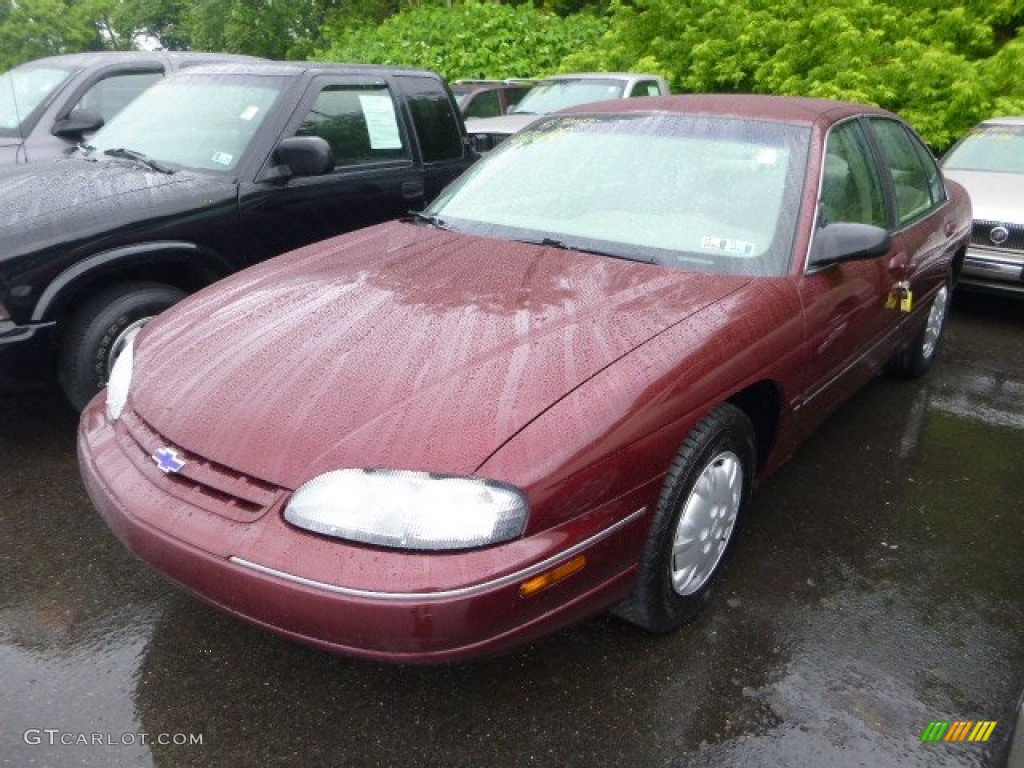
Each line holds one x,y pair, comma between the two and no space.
727,245
249,112
381,123
223,158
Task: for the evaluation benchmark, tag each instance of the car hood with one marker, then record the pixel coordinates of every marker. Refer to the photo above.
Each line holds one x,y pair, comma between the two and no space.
397,346
52,203
994,196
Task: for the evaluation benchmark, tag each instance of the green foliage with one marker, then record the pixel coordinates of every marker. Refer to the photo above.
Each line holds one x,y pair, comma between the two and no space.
469,40
30,29
276,29
938,63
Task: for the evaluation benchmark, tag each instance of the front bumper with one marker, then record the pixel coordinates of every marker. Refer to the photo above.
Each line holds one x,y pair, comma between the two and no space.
352,599
993,269
26,356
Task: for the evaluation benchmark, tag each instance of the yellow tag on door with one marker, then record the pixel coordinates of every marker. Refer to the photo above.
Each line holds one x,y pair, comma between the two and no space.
906,301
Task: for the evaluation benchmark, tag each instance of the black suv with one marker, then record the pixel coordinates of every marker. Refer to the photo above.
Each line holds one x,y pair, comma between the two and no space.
212,169
47,106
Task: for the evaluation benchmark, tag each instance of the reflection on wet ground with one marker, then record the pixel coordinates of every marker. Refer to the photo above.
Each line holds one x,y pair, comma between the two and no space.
877,586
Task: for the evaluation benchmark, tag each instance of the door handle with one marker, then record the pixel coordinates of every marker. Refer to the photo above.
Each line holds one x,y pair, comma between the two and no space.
899,263
412,189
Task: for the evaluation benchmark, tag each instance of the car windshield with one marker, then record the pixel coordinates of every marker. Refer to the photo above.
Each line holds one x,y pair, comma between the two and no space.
24,90
198,121
553,95
699,193
998,148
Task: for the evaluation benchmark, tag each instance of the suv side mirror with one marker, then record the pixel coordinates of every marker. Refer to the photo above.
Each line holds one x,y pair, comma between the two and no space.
304,156
846,241
80,121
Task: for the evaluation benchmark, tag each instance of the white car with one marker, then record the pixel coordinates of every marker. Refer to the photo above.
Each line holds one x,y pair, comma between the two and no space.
989,162
561,92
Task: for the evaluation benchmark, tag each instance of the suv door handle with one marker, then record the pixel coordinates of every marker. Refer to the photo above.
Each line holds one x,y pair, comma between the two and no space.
412,189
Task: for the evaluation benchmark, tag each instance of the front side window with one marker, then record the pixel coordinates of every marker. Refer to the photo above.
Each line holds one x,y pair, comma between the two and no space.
698,193
202,122
913,187
25,89
112,94
358,121
850,189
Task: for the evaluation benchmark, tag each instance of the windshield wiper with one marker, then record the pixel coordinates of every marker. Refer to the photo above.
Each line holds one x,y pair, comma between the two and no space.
130,154
429,218
561,245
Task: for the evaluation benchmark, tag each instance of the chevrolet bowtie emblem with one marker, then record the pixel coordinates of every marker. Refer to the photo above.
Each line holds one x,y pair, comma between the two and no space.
168,460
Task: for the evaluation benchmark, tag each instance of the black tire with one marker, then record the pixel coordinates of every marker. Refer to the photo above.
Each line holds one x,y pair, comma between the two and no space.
85,353
914,361
721,444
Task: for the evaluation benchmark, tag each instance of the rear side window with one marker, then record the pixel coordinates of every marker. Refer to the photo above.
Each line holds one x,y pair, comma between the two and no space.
433,116
358,121
646,88
918,189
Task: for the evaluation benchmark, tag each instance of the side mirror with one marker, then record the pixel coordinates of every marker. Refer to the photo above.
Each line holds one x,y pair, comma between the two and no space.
304,156
481,142
845,241
79,122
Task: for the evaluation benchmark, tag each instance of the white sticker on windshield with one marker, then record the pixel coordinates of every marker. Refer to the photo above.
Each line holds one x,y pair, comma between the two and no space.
767,156
249,112
223,158
381,123
727,245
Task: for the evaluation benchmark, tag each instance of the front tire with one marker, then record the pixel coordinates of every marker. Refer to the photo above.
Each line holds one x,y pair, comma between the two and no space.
695,522
97,330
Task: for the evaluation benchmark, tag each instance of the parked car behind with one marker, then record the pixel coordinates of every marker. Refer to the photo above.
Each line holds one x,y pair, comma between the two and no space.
548,395
561,92
989,162
211,170
49,105
488,98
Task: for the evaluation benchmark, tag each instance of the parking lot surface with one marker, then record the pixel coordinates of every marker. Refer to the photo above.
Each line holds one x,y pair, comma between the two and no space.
877,587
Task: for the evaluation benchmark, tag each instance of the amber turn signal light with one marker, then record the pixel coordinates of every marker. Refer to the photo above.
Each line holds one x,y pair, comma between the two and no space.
552,577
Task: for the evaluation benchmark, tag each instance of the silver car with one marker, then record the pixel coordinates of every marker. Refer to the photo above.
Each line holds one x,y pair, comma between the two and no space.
989,162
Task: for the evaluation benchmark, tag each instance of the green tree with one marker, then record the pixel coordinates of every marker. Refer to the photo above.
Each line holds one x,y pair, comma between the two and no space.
472,39
30,29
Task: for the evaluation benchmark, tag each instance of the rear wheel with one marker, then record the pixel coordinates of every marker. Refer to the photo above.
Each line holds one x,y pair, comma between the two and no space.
917,358
695,522
97,331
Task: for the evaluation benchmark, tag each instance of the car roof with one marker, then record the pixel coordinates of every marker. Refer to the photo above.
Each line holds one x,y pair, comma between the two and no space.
295,68
1007,120
603,76
790,109
91,58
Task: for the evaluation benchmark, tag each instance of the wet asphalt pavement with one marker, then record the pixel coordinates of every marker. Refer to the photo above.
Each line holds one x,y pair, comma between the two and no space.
877,585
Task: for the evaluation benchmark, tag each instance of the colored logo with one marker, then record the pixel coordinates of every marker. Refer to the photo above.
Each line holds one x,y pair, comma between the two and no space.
958,730
168,460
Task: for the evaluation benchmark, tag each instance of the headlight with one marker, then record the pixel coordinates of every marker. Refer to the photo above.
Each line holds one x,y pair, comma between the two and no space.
120,380
409,510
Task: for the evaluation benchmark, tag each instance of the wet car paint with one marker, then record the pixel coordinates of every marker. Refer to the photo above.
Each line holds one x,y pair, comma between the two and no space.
876,587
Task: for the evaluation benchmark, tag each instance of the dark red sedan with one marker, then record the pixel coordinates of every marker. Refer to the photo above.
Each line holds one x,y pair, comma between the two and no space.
546,396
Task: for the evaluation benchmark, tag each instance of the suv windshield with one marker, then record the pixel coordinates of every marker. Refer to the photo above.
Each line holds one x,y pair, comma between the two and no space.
23,90
199,121
700,193
553,95
998,148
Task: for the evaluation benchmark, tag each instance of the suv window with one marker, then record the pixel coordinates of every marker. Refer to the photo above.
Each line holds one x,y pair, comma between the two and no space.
434,118
645,88
484,104
358,121
850,190
916,193
112,94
